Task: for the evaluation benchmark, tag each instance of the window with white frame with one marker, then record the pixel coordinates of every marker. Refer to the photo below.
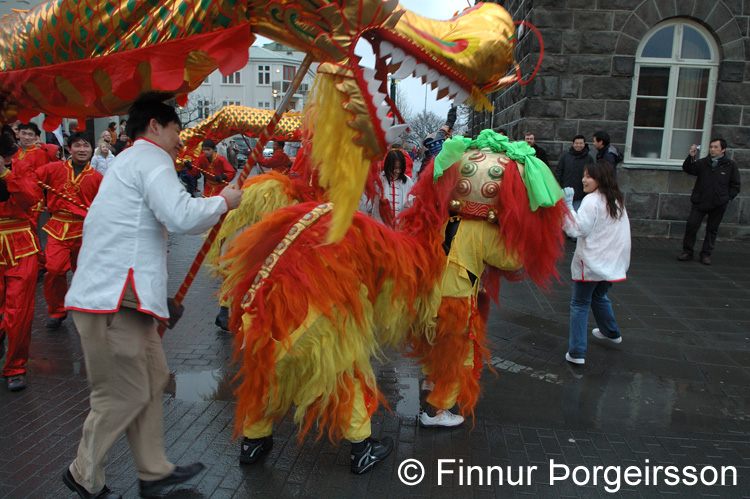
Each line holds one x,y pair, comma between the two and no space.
264,75
288,76
230,103
672,101
204,109
232,79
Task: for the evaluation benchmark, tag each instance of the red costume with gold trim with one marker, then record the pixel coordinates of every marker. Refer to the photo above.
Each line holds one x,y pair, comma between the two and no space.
219,165
65,226
36,156
18,263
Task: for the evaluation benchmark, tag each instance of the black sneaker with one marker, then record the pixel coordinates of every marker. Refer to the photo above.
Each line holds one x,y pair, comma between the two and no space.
253,448
372,451
17,382
54,322
222,319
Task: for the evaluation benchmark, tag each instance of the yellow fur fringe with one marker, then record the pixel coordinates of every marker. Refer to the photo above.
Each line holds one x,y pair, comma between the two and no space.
343,170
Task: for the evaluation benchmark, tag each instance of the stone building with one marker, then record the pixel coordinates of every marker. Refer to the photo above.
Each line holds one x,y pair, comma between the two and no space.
657,75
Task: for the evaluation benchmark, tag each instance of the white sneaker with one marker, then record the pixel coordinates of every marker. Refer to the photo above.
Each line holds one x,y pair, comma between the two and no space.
443,418
574,360
598,334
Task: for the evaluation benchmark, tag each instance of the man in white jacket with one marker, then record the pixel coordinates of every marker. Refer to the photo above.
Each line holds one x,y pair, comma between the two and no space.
120,289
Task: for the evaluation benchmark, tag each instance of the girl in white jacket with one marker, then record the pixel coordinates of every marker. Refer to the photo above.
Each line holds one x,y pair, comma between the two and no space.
395,197
602,256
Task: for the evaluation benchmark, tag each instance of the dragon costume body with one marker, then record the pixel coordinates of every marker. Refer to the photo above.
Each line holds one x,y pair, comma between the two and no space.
317,290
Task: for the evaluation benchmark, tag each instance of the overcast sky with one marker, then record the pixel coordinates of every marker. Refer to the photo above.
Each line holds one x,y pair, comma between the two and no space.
420,96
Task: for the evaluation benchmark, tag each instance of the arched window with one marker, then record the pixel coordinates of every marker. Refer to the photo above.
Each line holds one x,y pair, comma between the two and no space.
672,102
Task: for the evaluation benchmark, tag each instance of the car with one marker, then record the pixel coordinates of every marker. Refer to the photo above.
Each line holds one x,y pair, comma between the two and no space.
267,153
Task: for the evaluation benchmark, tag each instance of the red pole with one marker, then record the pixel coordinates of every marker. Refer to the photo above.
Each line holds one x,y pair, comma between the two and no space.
257,152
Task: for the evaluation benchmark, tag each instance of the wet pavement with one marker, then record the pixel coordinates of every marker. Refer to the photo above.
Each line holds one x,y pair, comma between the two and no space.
674,393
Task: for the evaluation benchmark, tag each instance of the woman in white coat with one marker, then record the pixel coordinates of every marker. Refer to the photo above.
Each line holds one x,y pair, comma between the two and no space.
602,256
395,196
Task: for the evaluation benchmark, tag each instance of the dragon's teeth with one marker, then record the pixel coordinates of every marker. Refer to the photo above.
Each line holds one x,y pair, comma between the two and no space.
454,87
442,93
373,86
406,68
378,99
394,132
397,55
381,112
369,74
420,70
461,97
432,76
443,82
385,48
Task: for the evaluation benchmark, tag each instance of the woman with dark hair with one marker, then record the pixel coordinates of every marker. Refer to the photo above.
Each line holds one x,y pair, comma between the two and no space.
396,186
602,256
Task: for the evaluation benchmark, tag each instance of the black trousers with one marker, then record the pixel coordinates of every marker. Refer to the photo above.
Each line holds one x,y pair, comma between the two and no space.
694,221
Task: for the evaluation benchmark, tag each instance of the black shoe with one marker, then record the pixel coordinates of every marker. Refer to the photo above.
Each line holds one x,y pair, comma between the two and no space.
222,320
372,452
685,257
105,493
253,448
17,382
54,322
706,260
154,488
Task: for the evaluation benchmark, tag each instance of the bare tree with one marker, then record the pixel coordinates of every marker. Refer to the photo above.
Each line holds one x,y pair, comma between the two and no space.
421,125
199,107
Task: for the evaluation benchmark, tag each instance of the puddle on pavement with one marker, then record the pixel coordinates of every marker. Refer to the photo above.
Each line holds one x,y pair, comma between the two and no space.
201,386
408,391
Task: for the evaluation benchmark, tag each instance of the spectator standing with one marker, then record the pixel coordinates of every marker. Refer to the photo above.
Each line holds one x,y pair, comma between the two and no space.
232,151
717,183
606,151
221,149
77,180
571,166
120,287
103,156
602,256
18,260
112,129
530,139
408,164
121,143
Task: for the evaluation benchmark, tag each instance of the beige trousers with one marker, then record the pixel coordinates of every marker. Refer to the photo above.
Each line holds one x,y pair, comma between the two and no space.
127,371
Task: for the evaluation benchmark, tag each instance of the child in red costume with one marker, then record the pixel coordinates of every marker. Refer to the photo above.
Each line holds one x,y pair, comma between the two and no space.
18,261
77,180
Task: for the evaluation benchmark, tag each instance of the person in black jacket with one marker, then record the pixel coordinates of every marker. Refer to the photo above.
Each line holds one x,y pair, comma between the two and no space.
718,183
606,151
530,139
569,171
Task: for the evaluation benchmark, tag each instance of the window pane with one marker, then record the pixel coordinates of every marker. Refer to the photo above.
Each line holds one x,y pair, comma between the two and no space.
650,112
647,143
660,44
694,46
693,82
689,113
653,81
681,142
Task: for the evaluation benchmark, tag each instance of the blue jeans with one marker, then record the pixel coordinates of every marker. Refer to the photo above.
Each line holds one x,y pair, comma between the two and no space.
594,295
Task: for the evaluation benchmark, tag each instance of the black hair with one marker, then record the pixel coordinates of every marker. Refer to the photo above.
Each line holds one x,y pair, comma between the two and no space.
604,174
78,136
112,124
281,143
602,137
390,162
148,106
8,145
209,143
30,126
721,141
578,137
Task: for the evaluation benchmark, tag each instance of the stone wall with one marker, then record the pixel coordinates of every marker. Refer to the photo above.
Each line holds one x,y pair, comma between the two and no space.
584,85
